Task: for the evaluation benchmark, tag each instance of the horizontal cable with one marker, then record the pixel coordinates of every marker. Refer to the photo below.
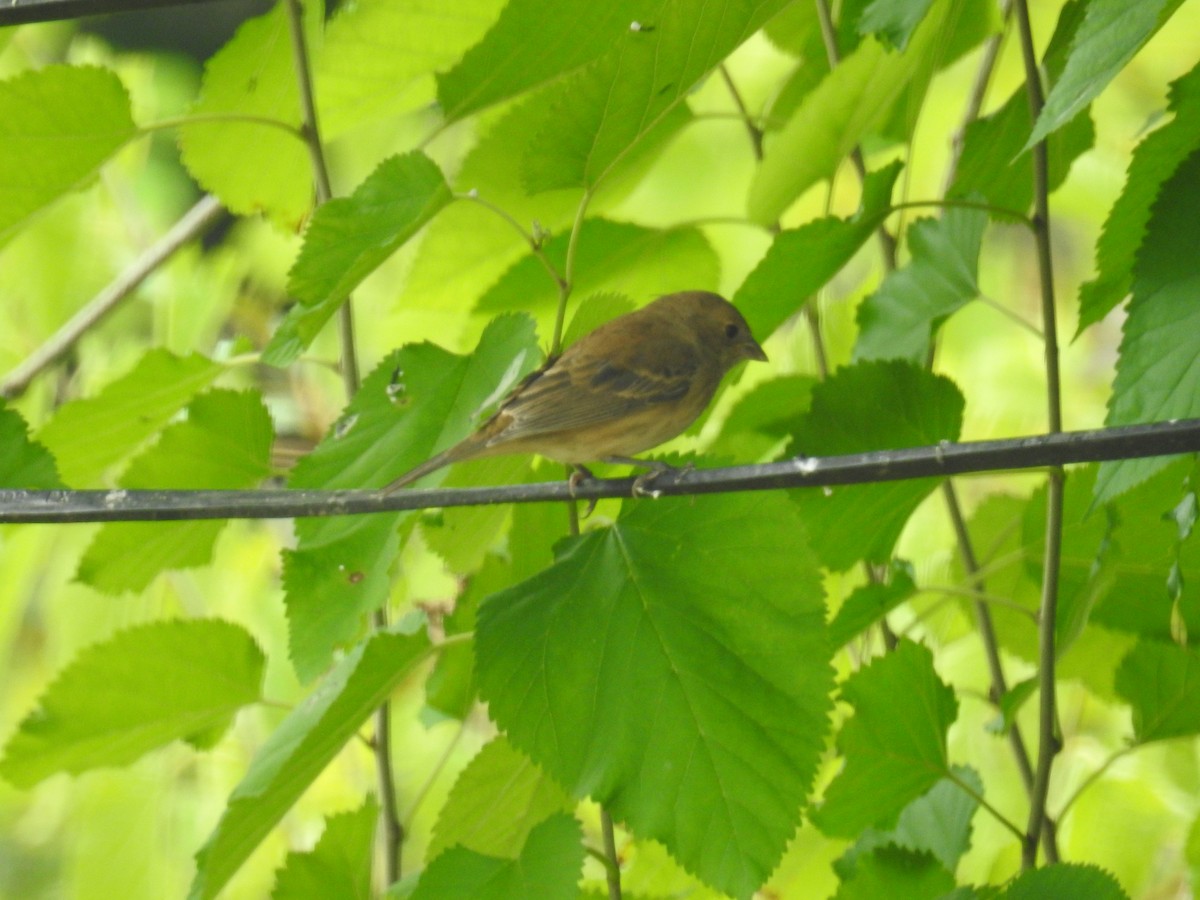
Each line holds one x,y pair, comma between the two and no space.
1127,442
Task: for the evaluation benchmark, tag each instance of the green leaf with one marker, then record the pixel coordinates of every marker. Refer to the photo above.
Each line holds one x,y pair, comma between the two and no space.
852,102
895,745
301,747
611,257
1158,369
532,44
763,417
900,319
897,874
224,444
137,691
254,167
349,238
88,436
548,868
500,797
24,463
1065,880
339,866
1161,681
57,126
379,56
1155,160
800,261
869,603
674,666
893,21
1111,33
594,118
992,166
462,536
419,400
910,407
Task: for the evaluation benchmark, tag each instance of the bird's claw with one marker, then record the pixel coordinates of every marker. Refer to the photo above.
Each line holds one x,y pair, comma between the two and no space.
581,473
659,469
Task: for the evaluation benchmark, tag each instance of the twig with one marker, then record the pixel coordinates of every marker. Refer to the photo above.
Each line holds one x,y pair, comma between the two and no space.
393,829
755,133
612,868
1125,442
983,78
1048,744
191,224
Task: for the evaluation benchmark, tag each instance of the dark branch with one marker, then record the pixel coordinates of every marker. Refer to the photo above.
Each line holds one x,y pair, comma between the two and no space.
1129,442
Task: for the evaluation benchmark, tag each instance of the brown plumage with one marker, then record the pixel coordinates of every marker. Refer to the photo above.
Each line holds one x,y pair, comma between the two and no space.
630,385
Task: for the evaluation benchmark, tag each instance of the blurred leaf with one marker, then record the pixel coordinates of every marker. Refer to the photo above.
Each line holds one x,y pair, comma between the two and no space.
763,417
695,632
301,747
532,44
379,56
992,165
87,436
1157,375
852,101
1111,33
897,874
349,238
908,407
57,126
339,866
593,118
224,444
500,797
548,868
141,689
893,21
253,167
869,603
1161,681
899,320
895,744
801,260
1010,704
24,463
419,400
462,536
612,257
594,311
1155,160
1064,880
796,30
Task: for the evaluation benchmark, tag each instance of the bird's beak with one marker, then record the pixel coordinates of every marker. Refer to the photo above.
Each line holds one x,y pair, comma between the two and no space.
752,350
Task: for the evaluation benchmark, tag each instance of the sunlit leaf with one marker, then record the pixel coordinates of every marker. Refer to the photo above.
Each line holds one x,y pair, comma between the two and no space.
898,874
58,124
674,667
349,237
894,745
1060,880
225,443
339,866
141,689
893,21
868,603
300,748
419,400
88,436
1161,681
500,797
24,462
548,868
1111,33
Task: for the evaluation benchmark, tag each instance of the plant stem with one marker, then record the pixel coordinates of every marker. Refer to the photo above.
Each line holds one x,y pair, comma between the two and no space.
1048,743
393,830
190,225
612,867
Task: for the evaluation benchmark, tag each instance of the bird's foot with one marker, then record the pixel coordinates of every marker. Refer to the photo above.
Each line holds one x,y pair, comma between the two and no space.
581,473
658,468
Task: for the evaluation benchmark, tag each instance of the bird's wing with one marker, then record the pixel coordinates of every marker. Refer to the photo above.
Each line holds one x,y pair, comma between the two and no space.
577,392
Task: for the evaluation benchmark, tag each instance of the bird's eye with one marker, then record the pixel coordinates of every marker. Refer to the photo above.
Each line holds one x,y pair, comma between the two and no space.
731,331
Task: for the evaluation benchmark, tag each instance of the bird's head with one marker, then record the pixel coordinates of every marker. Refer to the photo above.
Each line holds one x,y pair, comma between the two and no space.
717,324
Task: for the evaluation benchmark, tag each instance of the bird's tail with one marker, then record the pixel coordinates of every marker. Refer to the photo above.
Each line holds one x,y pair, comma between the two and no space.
459,451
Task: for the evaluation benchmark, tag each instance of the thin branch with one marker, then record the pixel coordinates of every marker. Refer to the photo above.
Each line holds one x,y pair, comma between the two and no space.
979,798
941,460
983,78
191,225
755,133
535,244
1095,776
567,282
612,868
222,119
1048,743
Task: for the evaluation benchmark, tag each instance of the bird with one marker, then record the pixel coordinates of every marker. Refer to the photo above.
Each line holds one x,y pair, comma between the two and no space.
629,385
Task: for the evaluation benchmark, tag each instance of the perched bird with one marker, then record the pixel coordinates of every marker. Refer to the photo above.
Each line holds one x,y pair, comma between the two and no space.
630,385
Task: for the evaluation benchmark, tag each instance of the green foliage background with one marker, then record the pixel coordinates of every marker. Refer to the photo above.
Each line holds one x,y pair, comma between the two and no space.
187,706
